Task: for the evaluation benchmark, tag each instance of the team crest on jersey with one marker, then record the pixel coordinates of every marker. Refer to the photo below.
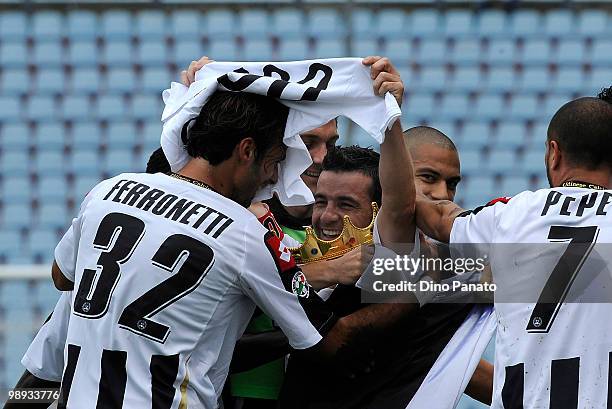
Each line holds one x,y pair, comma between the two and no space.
299,285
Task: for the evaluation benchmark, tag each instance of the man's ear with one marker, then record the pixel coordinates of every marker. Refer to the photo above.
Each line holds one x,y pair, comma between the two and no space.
554,154
246,150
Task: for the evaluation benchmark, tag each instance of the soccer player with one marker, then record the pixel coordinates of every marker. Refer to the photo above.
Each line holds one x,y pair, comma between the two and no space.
553,351
179,260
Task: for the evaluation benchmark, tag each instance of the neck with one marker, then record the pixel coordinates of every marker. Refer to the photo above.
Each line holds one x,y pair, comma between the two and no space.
595,177
217,177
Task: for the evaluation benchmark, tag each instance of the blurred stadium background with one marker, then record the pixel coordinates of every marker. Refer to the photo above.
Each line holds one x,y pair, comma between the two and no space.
80,88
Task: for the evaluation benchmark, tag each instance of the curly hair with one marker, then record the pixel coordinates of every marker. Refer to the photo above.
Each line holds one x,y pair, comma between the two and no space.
606,94
229,117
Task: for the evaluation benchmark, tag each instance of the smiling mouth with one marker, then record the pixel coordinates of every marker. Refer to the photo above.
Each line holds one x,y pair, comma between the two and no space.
328,234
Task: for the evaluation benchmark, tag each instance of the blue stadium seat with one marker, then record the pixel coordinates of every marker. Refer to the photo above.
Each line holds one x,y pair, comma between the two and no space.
511,185
258,49
42,244
571,51
390,23
121,134
510,135
15,136
50,81
466,79
40,108
289,22
14,25
325,23
475,136
362,20
14,82
82,24
424,22
85,80
121,80
152,52
14,163
536,52
501,51
147,106
15,295
293,49
536,79
84,161
16,188
119,161
48,54
540,130
466,51
569,79
554,102
75,107
220,23
454,106
86,135
52,188
187,50
14,54
329,48
420,106
369,46
448,128
156,79
223,49
558,22
83,53
50,162
602,49
431,79
50,136
185,24
11,108
10,243
47,25
45,295
525,22
15,215
489,106
502,161
116,24
82,185
524,106
477,185
254,23
492,23
471,161
52,215
118,53
533,161
110,107
432,51
399,50
458,22
151,24
599,78
592,22
150,136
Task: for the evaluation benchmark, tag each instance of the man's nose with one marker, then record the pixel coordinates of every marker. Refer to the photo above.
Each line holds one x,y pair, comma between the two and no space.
440,192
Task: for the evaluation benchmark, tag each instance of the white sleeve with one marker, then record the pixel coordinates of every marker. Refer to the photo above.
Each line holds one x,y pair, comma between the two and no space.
270,277
45,355
476,226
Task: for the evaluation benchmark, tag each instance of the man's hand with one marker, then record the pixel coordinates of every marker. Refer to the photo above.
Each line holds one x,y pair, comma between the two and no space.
386,77
349,268
188,76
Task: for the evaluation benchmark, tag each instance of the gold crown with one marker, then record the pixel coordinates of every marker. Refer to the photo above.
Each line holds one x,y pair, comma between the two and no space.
315,249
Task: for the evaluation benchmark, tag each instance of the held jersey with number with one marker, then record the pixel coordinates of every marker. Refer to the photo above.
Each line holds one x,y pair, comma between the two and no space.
165,276
550,256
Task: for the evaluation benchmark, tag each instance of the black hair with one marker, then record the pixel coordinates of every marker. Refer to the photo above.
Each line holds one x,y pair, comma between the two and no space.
428,135
583,129
229,117
356,159
157,162
606,94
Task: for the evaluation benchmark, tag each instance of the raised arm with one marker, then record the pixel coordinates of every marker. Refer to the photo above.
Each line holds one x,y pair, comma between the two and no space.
435,217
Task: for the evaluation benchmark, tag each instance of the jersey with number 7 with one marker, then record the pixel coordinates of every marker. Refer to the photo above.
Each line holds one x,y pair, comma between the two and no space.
550,256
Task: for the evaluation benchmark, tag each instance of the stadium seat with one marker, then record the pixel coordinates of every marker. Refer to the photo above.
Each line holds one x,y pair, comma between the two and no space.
11,109
369,46
121,80
501,161
432,52
424,22
599,78
220,24
362,20
47,25
510,135
14,163
466,79
500,51
602,49
10,243
293,49
75,107
15,136
289,22
50,81
14,25
325,23
147,106
475,185
466,51
536,52
49,162
524,106
431,79
592,22
254,23
15,215
15,295
14,54
533,161
454,106
554,102
186,51
51,188
121,134
16,188
492,23
83,53
40,108
569,79
558,22
571,51
84,161
45,294
390,23
420,106
82,24
85,80
535,79
258,50
458,22
42,244
86,135
118,53
152,52
116,24
48,54
471,161
52,216
119,161
82,185
525,22
150,25
489,106
223,49
14,82
399,50
50,136
329,48
150,136
110,107
185,25
475,136
511,185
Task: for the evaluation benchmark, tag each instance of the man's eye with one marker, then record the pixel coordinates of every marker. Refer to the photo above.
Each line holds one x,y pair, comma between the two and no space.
428,178
347,205
452,185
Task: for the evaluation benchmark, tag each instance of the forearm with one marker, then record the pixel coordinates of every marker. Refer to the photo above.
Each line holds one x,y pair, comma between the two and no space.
481,384
435,218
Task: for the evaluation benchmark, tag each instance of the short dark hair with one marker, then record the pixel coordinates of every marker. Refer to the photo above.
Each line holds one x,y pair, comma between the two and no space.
229,117
583,129
157,162
356,159
606,94
427,135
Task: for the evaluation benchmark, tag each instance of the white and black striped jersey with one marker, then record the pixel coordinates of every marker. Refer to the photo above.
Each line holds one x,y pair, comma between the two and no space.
549,253
167,275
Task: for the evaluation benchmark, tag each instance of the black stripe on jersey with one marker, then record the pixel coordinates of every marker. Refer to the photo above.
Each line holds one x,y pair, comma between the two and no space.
503,199
163,374
319,314
113,380
71,363
512,392
564,383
